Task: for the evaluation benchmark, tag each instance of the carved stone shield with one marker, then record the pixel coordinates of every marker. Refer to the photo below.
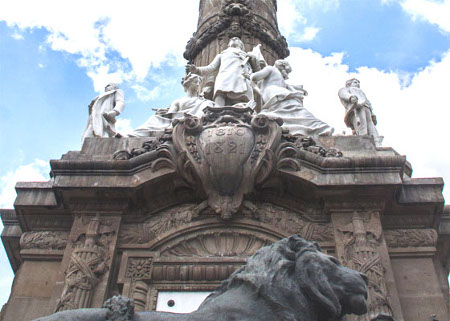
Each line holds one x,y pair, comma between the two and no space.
229,151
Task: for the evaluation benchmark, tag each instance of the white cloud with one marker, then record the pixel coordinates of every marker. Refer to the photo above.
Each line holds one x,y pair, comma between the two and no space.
144,94
292,17
36,171
436,12
413,118
17,36
99,32
308,34
289,17
123,126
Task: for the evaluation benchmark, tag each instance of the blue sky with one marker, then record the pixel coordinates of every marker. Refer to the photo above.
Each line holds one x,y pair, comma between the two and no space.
56,56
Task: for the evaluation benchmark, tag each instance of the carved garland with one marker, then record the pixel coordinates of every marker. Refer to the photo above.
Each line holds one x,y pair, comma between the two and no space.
410,238
44,240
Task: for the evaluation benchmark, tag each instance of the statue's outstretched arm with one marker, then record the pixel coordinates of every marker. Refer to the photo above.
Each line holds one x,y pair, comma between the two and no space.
260,75
213,66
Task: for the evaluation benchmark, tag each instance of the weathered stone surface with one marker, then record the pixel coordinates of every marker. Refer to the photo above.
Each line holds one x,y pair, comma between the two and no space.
411,238
157,202
252,21
44,240
299,281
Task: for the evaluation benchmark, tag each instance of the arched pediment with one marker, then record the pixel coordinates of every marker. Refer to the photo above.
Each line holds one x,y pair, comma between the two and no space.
178,231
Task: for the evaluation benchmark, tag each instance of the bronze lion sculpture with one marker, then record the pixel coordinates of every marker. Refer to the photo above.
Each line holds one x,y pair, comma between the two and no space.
290,280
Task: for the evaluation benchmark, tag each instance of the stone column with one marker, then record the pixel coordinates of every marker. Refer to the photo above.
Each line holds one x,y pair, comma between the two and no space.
87,261
360,245
254,21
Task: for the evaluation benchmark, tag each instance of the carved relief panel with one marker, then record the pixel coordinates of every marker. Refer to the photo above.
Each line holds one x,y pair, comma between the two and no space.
178,250
87,262
360,245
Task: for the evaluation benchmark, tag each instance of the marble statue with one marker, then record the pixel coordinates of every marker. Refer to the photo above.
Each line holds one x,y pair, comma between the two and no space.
103,111
359,114
286,101
191,104
288,280
232,64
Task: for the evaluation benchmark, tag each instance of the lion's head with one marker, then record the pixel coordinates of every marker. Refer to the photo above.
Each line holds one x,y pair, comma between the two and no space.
120,308
295,277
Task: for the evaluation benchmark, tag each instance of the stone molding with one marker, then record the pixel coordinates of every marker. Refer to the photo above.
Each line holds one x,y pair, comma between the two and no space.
406,238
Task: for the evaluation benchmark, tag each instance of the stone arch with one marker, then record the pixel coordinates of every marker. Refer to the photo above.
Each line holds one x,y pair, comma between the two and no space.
174,250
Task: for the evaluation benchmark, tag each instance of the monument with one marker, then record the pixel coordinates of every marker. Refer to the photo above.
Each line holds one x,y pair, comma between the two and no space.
179,211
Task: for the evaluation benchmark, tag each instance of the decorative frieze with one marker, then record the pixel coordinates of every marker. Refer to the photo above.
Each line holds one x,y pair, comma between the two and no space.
294,223
156,225
275,216
194,271
44,240
403,238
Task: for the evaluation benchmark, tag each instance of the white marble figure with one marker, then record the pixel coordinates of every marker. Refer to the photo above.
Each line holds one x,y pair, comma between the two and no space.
103,111
359,114
286,101
231,87
190,104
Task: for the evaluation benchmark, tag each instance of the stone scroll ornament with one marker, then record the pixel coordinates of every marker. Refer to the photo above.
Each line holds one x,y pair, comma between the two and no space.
226,154
88,262
229,151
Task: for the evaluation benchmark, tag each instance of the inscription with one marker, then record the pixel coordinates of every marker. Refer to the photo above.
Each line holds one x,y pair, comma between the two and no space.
238,131
220,147
228,146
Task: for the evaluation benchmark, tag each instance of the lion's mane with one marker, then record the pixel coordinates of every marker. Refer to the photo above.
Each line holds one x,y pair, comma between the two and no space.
265,269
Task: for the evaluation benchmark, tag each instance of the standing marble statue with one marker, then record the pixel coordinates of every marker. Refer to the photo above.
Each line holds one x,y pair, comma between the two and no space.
232,64
286,101
103,111
190,104
359,114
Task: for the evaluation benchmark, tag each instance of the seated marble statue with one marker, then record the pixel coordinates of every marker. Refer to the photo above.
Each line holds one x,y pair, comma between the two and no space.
190,104
103,111
286,101
230,86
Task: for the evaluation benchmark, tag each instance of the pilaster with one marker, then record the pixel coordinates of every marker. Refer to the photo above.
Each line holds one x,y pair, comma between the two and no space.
86,266
360,245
